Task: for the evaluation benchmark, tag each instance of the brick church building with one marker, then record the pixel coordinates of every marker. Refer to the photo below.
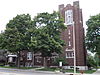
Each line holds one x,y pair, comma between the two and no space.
73,35
73,19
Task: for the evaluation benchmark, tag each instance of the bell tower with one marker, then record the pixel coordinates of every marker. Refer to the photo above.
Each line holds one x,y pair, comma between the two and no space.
72,15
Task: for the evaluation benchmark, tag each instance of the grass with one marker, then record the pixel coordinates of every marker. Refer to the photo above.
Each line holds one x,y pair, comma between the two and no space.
89,71
17,67
86,71
47,69
99,67
7,67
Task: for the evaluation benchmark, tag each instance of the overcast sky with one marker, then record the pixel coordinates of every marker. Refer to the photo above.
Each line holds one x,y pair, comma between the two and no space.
10,8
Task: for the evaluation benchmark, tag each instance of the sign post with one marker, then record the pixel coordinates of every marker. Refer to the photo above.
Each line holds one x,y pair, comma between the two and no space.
60,64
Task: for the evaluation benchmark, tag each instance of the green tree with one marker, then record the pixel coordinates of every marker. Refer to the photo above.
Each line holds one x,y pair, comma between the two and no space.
49,28
41,35
17,36
93,34
1,40
97,59
60,59
91,62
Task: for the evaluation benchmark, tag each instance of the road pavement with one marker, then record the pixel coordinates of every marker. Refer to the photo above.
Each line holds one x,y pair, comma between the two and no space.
7,71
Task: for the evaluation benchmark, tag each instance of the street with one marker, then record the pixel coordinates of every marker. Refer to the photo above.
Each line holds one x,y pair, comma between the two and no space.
8,71
4,71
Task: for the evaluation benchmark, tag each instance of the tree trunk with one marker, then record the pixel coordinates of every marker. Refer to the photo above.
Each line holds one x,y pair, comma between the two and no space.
32,59
45,62
18,59
24,61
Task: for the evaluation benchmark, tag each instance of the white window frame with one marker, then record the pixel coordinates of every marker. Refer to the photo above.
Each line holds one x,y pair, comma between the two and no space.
10,59
29,56
69,37
69,43
38,59
70,55
68,49
69,32
69,17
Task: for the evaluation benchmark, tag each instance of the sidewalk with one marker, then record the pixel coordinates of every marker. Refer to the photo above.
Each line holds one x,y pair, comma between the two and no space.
97,72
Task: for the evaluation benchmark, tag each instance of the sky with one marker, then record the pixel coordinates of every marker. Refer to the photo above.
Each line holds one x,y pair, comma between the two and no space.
10,8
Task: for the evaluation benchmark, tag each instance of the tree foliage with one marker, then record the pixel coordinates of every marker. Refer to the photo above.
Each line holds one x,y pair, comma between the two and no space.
97,59
93,34
49,28
42,34
1,40
91,62
60,59
16,35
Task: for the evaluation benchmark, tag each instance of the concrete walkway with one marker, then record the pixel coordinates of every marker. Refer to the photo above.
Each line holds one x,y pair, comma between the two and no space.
97,72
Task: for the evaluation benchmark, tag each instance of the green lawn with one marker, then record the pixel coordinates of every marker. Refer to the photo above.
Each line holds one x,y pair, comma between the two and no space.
89,71
86,71
17,67
69,70
7,67
48,69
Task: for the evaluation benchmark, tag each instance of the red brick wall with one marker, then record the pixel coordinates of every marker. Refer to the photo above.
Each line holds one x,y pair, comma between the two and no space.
79,34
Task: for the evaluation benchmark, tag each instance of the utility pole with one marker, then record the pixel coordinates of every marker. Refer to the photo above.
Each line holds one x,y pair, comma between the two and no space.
74,48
